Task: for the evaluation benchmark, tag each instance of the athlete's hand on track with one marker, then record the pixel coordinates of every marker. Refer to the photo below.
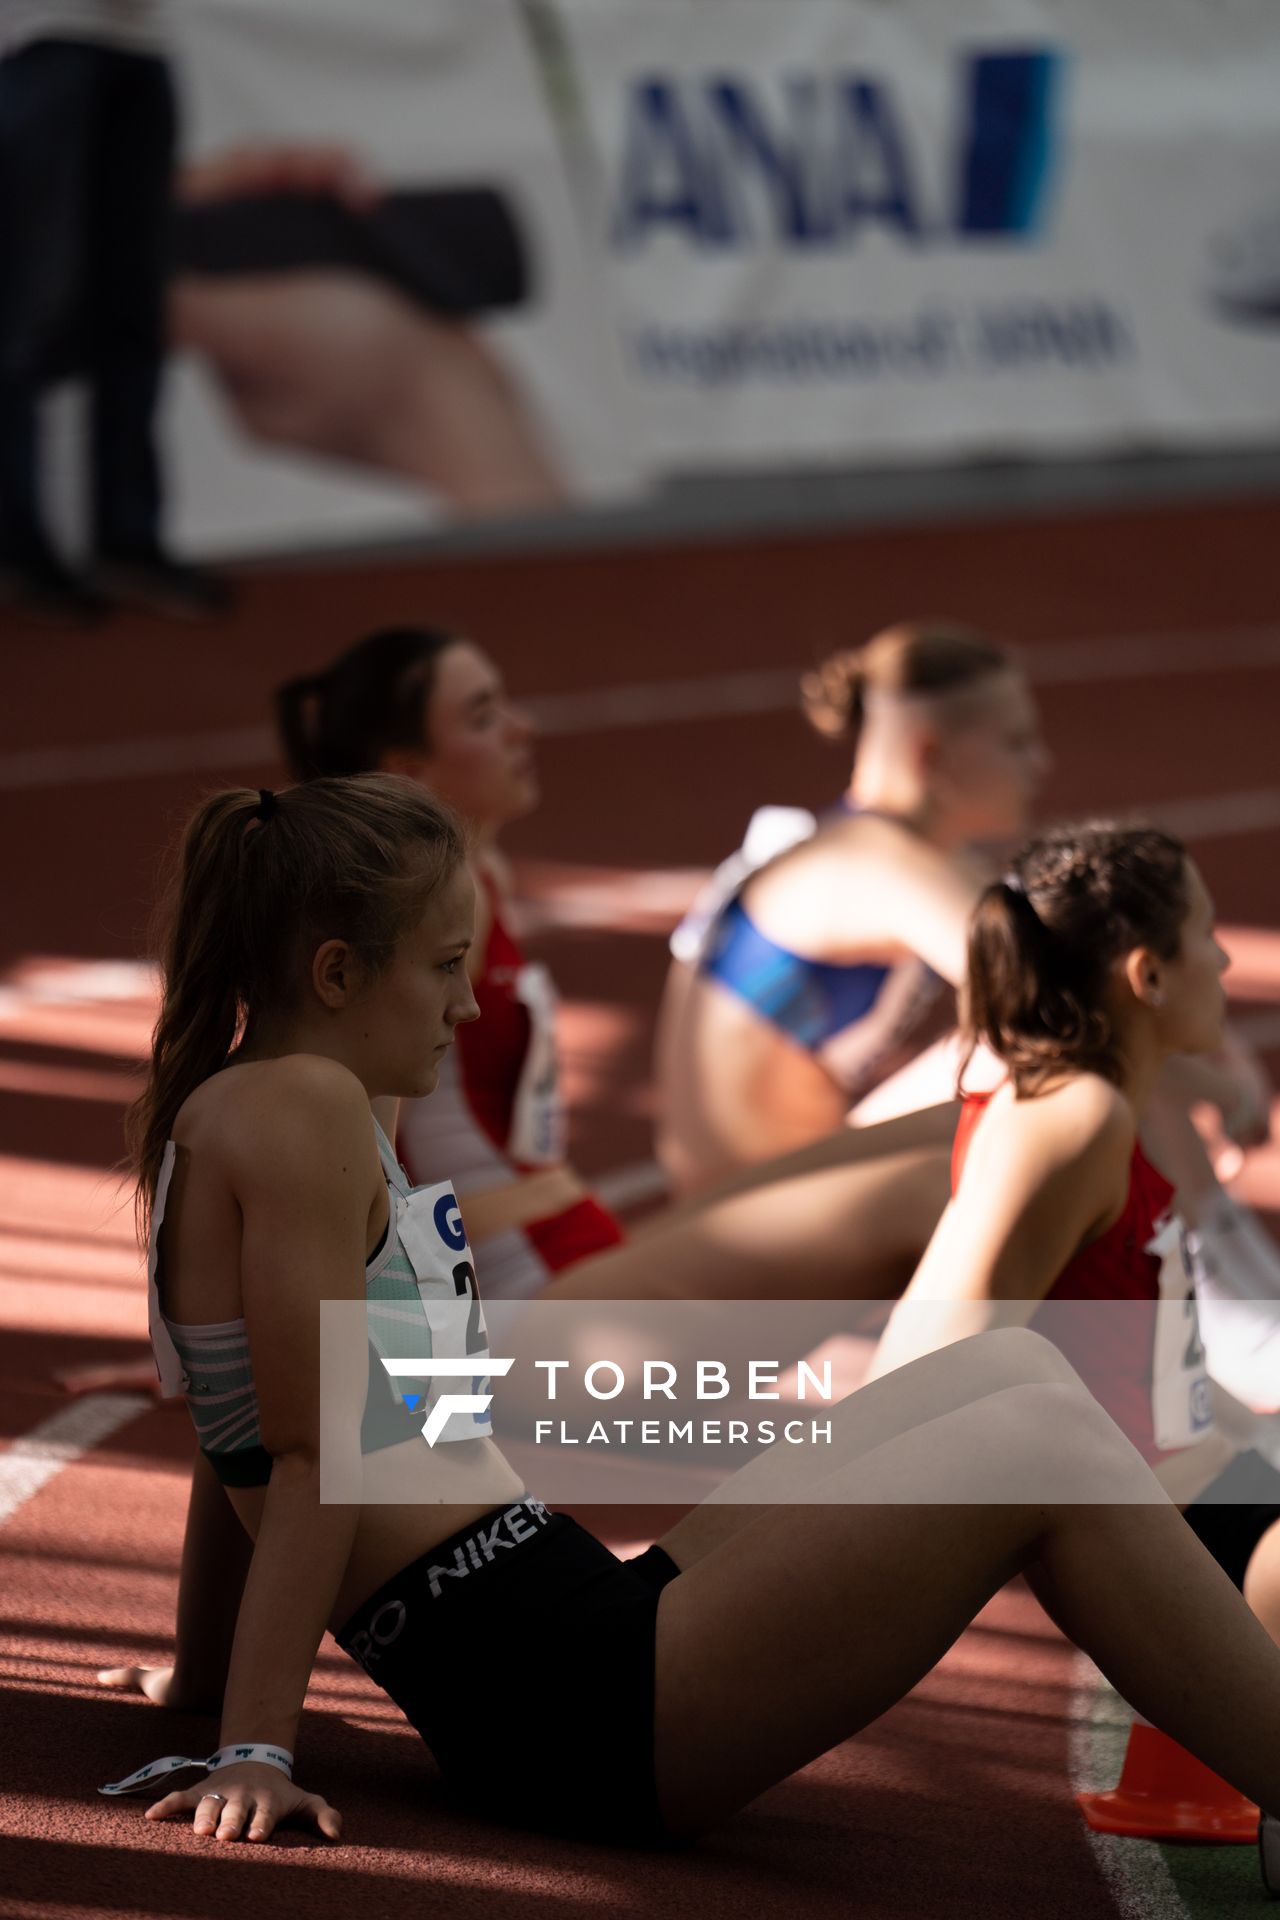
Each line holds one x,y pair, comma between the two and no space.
257,1800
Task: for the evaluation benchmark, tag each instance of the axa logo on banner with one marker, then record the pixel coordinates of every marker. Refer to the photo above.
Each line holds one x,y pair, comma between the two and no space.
840,152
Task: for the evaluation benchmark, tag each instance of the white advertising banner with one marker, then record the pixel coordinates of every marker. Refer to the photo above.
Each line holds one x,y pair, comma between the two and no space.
443,259
854,231
383,306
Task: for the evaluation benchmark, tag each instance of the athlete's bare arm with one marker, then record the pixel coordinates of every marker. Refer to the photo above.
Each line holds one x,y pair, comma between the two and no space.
925,1129
216,1552
842,1218
1043,1178
305,1173
1233,1080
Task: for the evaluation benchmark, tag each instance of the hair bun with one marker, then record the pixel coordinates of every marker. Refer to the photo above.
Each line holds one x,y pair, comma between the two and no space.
831,694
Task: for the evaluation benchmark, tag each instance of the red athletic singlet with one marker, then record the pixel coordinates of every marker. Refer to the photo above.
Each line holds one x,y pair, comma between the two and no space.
1115,1356
493,1051
497,1113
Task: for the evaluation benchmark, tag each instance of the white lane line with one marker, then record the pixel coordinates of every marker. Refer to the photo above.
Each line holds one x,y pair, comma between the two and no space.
1215,815
34,1459
1137,1876
138,758
1051,663
1152,656
652,703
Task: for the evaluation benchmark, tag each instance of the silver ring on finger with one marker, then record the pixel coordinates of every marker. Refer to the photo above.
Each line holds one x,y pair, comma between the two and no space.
214,1796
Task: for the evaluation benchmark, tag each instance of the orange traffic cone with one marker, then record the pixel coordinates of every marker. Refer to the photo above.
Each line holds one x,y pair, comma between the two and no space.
1166,1794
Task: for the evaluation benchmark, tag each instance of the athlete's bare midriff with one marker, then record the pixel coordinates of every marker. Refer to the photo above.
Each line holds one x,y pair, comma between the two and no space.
390,1537
737,1088
739,1091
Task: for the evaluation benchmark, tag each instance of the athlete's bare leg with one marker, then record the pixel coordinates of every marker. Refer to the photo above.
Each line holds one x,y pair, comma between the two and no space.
938,1384
809,1621
1262,1581
852,1230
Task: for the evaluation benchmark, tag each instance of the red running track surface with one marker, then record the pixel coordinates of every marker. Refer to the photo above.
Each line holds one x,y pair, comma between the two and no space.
958,1801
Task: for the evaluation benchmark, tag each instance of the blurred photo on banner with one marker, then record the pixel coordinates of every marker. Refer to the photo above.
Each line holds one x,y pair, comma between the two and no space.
853,233
382,308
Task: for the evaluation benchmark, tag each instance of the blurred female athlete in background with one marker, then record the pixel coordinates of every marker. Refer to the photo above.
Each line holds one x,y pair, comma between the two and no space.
1090,964
432,706
817,972
824,957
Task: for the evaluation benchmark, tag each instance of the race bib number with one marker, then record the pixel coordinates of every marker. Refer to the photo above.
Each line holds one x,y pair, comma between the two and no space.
1181,1403
431,1232
539,1131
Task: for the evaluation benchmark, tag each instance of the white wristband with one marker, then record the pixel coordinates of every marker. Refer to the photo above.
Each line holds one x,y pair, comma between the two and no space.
228,1756
263,1755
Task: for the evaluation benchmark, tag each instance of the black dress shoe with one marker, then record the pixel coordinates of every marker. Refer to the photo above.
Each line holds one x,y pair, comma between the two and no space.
37,585
160,585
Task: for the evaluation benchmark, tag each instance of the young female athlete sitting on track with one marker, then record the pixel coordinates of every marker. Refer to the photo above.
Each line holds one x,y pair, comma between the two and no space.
805,979
1090,964
850,1218
313,964
816,980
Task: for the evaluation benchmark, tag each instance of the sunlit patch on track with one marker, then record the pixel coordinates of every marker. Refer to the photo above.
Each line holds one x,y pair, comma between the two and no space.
32,1460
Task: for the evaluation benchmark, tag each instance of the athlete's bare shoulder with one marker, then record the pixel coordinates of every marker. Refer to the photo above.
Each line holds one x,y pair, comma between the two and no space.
1057,1162
865,883
257,1111
1081,1115
839,842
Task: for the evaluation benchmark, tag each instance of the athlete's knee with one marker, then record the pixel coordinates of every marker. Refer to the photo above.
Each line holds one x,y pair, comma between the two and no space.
1021,1357
1051,1442
1262,1580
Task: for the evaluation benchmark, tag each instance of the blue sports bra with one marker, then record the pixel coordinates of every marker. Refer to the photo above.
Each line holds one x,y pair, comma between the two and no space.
811,1000
863,1019
422,1303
